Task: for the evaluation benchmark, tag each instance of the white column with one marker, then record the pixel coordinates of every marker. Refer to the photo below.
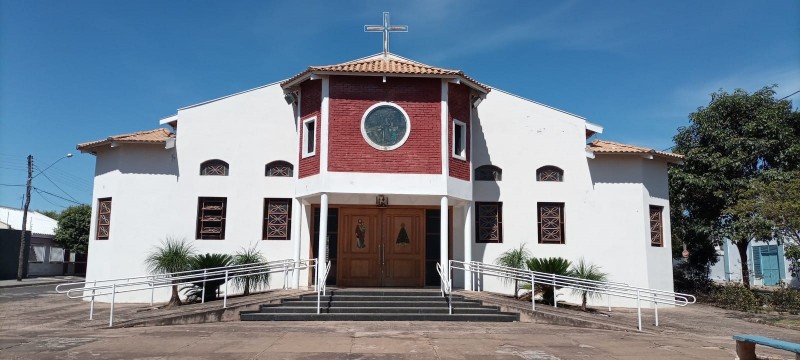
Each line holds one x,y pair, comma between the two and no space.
297,221
468,222
323,234
445,236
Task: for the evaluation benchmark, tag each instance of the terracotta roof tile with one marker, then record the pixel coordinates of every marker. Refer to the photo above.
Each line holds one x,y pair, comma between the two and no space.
379,64
154,136
610,147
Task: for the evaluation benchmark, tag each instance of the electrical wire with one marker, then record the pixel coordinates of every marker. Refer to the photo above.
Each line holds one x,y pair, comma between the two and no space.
54,195
59,187
45,199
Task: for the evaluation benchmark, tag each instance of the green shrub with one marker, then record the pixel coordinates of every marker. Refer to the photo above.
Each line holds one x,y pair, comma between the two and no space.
736,297
786,299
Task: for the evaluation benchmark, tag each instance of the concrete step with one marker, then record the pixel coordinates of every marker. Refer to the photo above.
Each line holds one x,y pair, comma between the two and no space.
337,303
405,292
372,310
351,297
498,317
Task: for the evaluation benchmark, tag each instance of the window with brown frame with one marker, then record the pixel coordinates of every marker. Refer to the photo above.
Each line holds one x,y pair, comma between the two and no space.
489,222
549,173
211,218
214,168
277,219
279,169
103,218
551,223
488,173
656,226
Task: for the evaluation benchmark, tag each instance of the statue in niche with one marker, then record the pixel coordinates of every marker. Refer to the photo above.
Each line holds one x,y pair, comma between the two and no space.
402,236
361,234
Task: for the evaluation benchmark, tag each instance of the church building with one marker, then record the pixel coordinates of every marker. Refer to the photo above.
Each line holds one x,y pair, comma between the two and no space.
395,165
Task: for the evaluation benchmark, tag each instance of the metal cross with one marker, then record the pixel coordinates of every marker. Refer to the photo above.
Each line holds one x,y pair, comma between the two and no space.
386,29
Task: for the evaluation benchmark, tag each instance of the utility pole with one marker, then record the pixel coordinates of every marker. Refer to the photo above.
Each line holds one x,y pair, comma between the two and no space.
22,243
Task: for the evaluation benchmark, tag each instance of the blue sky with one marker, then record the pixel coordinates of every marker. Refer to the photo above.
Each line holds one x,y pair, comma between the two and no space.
74,71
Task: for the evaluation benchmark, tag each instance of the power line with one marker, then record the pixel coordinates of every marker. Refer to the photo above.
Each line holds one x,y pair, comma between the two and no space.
59,187
790,95
51,194
12,184
45,199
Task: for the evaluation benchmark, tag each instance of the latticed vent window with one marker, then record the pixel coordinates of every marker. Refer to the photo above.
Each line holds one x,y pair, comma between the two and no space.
656,226
277,219
549,173
489,222
103,218
279,169
551,223
214,168
488,173
211,218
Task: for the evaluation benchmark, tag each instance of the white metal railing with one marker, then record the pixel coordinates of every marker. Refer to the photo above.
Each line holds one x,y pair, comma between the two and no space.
606,288
322,279
446,287
112,287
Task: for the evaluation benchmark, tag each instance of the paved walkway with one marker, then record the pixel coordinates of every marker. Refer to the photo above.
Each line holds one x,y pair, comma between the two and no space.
43,280
36,323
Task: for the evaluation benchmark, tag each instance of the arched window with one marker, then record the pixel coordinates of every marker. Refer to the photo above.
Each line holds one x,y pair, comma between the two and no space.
549,173
279,168
214,168
488,173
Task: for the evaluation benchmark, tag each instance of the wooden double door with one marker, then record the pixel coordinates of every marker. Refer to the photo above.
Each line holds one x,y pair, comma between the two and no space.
381,247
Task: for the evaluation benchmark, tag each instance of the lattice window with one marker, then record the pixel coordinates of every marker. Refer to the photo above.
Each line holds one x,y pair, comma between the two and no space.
551,223
656,226
279,169
489,222
211,218
214,168
277,219
103,218
488,173
549,173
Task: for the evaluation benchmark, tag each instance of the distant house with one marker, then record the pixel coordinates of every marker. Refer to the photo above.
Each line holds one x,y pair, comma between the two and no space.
46,258
766,261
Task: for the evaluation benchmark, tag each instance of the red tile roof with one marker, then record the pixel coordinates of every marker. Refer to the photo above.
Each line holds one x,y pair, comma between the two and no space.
390,64
610,147
154,136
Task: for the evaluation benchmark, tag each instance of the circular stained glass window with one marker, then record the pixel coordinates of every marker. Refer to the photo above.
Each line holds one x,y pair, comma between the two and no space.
385,126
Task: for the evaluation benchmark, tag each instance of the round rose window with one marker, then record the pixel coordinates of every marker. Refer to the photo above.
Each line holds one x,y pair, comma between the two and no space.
385,126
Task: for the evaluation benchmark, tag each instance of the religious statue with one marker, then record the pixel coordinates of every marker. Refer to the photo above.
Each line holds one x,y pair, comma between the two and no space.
402,236
361,234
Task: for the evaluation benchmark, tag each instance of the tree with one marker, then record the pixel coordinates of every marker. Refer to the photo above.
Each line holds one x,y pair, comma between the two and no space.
514,258
587,271
172,256
729,145
260,278
49,213
73,228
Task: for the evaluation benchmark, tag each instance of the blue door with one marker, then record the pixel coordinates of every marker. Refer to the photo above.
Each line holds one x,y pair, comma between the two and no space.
767,261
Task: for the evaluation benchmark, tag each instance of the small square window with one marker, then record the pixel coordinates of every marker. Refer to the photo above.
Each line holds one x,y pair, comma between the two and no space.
309,137
459,140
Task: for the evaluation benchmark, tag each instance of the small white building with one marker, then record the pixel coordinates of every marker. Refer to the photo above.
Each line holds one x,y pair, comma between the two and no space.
766,262
46,258
461,171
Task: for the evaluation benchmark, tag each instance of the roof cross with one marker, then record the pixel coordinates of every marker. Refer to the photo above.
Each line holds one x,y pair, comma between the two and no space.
385,29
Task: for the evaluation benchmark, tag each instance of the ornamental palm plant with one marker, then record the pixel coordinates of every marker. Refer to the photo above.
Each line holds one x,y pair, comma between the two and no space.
588,271
514,258
202,262
246,256
173,255
551,265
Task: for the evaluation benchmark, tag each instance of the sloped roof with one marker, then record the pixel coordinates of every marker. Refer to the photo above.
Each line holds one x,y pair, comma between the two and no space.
154,136
380,64
37,223
610,147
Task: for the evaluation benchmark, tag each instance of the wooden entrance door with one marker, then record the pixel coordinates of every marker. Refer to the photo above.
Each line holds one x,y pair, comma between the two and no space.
381,247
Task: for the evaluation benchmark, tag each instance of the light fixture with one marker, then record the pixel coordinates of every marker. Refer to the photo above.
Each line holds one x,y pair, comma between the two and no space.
290,98
381,201
477,101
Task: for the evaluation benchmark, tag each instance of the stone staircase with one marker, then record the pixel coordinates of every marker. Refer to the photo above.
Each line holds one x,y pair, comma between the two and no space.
379,305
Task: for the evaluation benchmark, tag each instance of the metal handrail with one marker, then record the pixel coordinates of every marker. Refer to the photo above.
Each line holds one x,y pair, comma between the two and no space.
446,287
607,288
322,280
152,282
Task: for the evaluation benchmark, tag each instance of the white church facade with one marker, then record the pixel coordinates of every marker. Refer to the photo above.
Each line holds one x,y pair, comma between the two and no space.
403,164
